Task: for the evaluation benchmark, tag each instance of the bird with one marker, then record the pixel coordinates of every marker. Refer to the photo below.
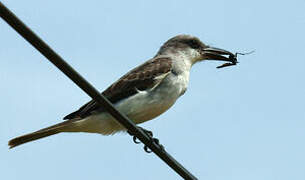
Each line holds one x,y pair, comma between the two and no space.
141,94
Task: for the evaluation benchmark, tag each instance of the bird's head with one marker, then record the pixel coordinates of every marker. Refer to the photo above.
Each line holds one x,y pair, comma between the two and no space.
194,50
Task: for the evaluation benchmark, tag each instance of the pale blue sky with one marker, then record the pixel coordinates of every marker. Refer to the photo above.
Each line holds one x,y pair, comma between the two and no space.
242,122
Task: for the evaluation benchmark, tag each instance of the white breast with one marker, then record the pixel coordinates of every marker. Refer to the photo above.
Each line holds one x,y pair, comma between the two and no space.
147,105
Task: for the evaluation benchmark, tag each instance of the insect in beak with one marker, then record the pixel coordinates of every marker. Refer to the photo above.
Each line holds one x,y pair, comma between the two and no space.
233,59
217,54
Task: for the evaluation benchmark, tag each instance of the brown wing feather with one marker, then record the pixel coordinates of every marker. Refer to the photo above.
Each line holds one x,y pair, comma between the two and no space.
141,78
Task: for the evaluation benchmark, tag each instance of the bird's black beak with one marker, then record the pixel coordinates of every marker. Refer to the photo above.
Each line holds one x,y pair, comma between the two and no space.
212,53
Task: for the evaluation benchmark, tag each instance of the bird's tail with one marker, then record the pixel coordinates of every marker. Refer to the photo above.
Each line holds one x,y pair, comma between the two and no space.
57,128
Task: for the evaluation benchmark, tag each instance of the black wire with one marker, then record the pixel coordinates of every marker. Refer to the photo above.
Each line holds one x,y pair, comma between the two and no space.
52,56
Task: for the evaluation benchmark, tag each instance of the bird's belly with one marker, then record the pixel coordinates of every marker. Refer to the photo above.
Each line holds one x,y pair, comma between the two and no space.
149,111
146,105
140,107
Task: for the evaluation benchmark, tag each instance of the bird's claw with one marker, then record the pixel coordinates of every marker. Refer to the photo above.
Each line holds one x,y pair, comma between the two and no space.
149,133
152,140
135,140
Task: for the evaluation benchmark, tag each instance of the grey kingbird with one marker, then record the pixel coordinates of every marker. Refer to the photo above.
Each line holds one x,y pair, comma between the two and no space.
142,94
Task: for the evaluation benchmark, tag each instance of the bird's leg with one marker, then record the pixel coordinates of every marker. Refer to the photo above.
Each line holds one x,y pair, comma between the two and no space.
147,132
152,139
150,135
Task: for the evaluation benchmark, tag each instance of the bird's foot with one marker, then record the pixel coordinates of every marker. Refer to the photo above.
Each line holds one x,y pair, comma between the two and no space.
147,132
152,139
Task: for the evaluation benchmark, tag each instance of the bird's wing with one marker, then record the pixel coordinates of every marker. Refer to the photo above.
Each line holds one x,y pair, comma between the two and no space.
142,78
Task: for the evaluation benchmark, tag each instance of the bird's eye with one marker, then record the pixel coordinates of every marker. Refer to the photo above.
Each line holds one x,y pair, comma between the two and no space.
193,44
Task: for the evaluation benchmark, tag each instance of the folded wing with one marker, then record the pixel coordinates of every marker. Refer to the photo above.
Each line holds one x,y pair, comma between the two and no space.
142,78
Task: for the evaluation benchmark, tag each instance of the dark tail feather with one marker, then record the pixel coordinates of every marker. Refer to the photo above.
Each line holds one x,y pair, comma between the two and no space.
57,128
30,137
